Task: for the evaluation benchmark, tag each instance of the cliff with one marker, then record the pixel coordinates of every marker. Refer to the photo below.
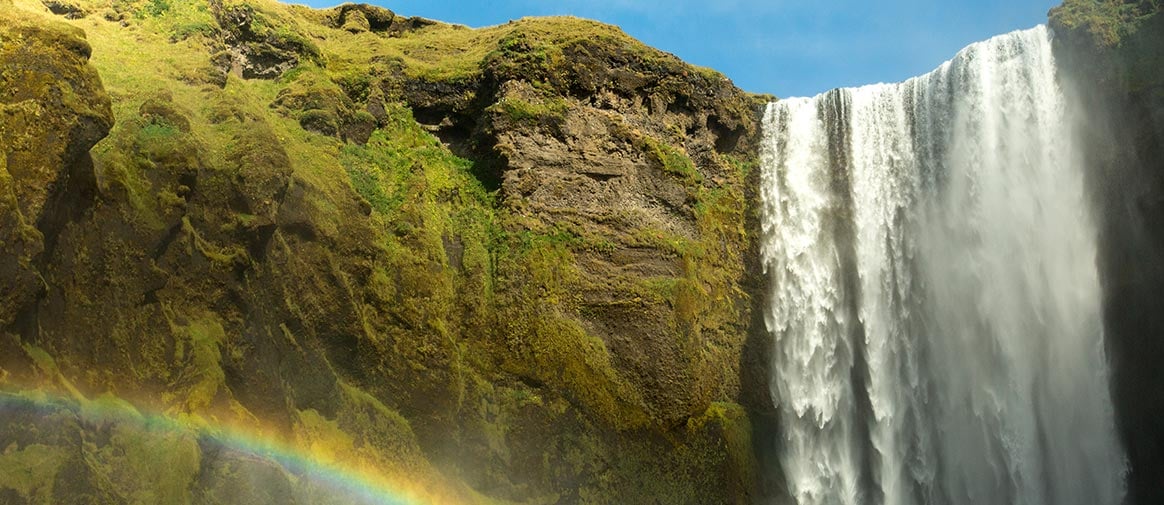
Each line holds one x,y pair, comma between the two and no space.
1111,55
502,265
244,244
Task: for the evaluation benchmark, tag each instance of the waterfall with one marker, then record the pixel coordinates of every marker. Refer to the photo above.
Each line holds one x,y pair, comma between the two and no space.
934,302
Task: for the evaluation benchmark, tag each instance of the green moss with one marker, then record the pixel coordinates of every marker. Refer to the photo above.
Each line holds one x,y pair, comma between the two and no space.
539,276
668,157
526,52
324,122
126,457
368,184
273,24
357,84
742,167
198,358
674,161
227,258
535,50
401,161
761,100
1118,43
25,235
193,28
736,428
366,432
704,468
156,135
145,463
43,360
548,111
31,470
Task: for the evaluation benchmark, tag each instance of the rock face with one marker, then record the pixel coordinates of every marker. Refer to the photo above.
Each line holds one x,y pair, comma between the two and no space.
357,18
53,109
256,49
1112,54
503,264
640,156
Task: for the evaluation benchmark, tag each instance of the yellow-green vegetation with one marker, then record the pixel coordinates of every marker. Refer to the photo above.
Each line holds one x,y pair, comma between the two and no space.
127,457
402,161
197,350
144,463
1120,39
51,109
534,113
537,273
670,158
1108,21
31,471
537,49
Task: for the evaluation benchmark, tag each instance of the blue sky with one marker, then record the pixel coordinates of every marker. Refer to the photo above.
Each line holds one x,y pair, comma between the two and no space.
783,47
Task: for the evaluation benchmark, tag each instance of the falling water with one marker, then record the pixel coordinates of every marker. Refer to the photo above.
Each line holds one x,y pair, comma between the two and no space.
934,300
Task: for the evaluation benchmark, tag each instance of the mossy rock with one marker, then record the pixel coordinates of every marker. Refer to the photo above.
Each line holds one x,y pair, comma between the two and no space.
323,122
161,110
325,107
354,21
262,170
358,18
55,107
67,8
260,44
52,110
358,128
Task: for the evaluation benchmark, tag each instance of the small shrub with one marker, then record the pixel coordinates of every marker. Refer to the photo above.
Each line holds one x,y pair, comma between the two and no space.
155,8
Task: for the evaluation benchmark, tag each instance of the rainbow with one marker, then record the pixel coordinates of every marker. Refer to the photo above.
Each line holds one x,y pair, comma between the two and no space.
353,485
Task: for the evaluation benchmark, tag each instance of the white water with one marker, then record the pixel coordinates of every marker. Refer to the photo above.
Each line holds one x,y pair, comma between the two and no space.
935,304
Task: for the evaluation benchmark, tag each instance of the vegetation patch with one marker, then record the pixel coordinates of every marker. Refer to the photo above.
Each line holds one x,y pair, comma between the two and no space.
1108,21
550,111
